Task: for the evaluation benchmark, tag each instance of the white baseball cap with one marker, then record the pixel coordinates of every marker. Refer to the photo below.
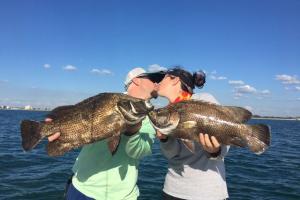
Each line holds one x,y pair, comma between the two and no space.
136,72
140,72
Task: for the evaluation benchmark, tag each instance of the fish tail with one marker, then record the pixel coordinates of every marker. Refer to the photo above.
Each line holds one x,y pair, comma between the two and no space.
260,138
31,134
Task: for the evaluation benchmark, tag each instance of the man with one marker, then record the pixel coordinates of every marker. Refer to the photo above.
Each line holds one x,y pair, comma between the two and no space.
98,174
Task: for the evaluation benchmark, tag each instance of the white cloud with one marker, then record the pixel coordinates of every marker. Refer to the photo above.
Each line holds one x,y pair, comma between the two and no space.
214,72
265,92
218,77
101,71
156,68
287,79
237,95
47,66
69,68
213,76
248,108
245,89
238,82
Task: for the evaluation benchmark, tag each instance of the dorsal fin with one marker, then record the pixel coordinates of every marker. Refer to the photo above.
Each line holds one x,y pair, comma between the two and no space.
113,144
238,114
59,111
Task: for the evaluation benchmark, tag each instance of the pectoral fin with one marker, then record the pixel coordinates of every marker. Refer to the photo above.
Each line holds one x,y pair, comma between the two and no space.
189,127
190,145
113,144
237,142
189,124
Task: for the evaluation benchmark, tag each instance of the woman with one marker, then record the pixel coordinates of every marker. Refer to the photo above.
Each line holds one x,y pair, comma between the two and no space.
199,175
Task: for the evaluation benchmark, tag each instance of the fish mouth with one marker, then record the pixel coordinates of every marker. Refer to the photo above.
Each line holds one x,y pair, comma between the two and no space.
134,112
132,118
148,105
165,129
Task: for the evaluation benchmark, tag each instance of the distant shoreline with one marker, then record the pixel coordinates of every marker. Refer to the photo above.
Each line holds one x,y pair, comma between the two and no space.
276,118
35,110
255,117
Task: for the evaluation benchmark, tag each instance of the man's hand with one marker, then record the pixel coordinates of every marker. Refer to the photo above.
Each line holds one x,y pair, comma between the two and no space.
133,129
211,145
53,136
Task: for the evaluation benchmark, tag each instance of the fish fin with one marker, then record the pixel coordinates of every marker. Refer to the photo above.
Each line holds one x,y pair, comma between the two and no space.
57,148
238,114
59,111
189,124
189,127
31,134
260,138
113,144
190,145
53,148
238,142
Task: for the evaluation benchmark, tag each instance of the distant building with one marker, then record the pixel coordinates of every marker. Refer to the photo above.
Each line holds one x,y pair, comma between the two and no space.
28,107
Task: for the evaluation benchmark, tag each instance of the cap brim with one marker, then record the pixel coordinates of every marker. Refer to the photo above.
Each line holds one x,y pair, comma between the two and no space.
154,76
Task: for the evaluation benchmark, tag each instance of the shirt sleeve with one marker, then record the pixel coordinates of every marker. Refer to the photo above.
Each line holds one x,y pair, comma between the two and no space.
139,145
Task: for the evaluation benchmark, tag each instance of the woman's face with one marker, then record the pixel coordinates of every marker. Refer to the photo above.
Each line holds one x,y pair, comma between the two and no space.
167,85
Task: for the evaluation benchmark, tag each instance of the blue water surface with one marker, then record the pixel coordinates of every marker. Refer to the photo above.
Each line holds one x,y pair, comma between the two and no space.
272,175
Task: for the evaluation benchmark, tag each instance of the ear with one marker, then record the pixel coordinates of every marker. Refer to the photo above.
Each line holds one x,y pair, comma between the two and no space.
176,80
137,81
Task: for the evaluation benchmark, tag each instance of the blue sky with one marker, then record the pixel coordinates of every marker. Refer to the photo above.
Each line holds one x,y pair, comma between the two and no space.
59,52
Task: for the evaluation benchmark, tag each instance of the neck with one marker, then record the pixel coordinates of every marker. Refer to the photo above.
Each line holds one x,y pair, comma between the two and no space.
183,95
174,94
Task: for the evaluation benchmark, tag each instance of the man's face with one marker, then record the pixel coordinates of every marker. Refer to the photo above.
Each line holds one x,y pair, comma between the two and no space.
148,87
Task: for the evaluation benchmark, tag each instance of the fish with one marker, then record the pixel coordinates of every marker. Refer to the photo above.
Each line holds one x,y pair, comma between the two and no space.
187,119
103,116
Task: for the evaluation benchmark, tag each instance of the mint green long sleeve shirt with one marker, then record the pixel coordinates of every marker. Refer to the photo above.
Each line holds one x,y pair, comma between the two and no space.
99,175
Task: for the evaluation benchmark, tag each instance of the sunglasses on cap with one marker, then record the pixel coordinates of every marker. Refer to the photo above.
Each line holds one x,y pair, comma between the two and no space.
153,77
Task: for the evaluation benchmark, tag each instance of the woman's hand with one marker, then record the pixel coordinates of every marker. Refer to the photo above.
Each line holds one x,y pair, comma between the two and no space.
54,136
211,145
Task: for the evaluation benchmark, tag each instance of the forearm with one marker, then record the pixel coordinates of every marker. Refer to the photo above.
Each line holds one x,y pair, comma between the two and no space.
220,154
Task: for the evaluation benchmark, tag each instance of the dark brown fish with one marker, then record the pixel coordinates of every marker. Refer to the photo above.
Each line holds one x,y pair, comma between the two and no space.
105,115
187,119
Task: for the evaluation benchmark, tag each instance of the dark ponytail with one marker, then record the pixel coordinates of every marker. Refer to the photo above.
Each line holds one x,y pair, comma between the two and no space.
188,80
199,78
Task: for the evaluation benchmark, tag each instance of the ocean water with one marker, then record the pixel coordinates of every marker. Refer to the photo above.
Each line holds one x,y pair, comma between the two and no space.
272,175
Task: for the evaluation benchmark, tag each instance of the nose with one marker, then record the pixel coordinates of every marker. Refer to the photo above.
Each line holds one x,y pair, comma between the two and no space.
156,85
